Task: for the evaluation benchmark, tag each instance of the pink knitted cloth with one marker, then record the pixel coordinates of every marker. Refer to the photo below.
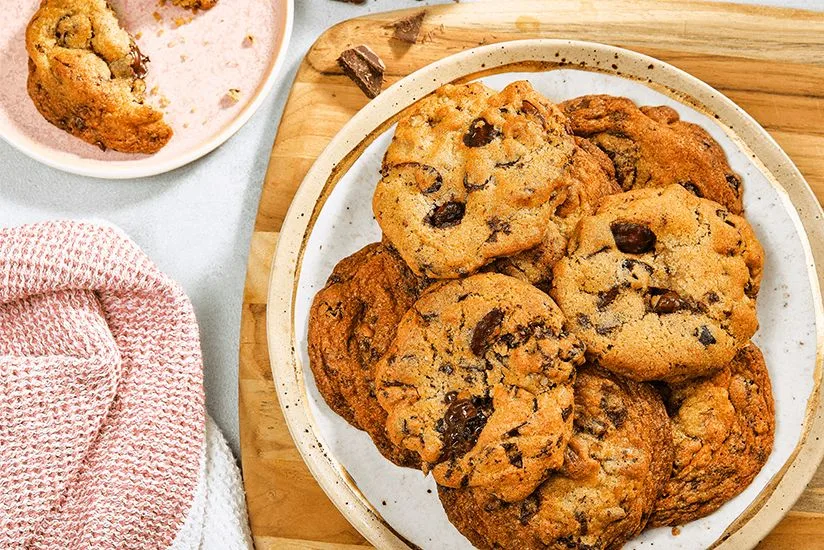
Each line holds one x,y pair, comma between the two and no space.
101,392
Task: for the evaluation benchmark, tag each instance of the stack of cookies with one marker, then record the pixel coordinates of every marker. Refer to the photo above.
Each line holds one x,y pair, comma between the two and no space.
557,322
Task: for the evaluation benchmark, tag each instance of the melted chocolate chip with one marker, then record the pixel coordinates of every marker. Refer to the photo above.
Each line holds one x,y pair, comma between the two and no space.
497,225
427,177
614,408
668,302
446,215
138,62
480,133
704,336
463,422
484,330
469,186
531,110
734,181
566,412
607,297
632,238
691,187
513,454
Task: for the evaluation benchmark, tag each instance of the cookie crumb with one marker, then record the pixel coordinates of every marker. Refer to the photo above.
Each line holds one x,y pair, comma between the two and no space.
160,32
185,124
164,102
676,531
231,98
154,90
192,110
180,21
138,35
157,16
249,41
183,57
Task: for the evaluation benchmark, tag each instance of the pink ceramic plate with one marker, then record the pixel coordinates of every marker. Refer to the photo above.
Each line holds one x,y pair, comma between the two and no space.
196,58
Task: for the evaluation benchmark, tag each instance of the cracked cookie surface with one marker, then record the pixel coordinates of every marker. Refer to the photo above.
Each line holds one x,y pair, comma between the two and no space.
652,147
352,321
723,431
590,176
618,459
478,382
86,77
661,284
471,175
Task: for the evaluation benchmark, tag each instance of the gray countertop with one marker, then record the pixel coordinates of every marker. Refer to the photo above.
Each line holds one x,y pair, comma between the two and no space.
195,222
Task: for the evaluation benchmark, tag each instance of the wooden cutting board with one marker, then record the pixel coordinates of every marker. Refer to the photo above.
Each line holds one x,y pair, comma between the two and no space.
770,61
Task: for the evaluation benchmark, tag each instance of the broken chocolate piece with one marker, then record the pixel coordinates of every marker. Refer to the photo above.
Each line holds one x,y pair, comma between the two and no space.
365,68
632,238
409,28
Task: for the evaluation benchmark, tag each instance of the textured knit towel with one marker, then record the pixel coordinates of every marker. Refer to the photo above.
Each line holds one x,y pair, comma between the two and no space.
104,442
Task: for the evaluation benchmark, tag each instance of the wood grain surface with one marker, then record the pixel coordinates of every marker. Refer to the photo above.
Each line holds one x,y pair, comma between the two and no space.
768,60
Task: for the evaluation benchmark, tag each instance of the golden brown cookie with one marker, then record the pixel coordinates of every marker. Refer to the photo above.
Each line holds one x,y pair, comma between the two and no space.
472,175
723,430
591,177
478,381
652,147
616,463
86,77
660,284
351,324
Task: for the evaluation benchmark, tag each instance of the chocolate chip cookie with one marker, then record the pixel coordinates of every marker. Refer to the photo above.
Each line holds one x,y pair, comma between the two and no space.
723,430
590,176
478,382
472,175
616,463
652,147
86,77
351,324
661,284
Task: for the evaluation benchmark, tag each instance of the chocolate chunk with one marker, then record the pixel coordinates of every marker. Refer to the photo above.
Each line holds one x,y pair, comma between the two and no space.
138,61
607,297
513,454
583,523
565,412
632,238
484,330
614,408
446,215
480,133
711,297
668,302
463,422
704,336
497,225
691,187
365,68
409,28
529,507
531,110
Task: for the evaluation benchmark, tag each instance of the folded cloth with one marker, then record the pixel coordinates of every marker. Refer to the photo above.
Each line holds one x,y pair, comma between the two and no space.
104,440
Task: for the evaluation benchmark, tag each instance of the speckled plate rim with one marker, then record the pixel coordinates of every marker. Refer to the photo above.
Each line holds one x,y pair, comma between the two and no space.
144,167
782,490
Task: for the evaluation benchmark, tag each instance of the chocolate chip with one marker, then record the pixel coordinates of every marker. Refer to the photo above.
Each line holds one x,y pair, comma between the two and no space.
591,426
463,422
529,109
711,297
450,397
607,297
704,336
750,290
497,225
565,412
734,181
691,187
583,524
631,264
364,68
529,507
427,178
469,186
614,408
480,133
484,330
513,454
583,320
447,214
632,238
408,28
668,302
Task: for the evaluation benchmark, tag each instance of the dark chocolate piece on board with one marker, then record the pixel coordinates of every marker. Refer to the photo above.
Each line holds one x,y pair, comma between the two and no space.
409,28
365,69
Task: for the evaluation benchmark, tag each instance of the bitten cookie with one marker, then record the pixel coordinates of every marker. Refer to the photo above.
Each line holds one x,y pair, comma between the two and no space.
651,147
723,430
661,284
472,175
616,463
479,382
86,77
590,177
351,324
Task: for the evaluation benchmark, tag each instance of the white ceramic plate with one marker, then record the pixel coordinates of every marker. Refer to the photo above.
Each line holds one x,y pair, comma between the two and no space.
331,218
196,58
